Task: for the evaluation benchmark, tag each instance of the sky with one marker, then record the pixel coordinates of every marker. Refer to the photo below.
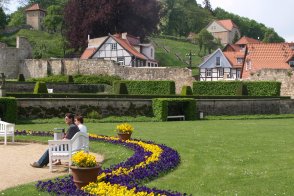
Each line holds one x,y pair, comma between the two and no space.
272,13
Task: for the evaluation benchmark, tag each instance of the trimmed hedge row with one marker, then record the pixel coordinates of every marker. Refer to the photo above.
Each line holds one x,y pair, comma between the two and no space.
160,107
262,88
137,87
8,109
217,88
237,88
40,87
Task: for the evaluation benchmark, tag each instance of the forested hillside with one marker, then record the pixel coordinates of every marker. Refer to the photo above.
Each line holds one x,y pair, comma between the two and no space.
69,22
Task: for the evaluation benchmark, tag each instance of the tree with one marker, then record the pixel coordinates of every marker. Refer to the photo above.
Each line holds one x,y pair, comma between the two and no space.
236,37
271,36
54,18
206,41
17,18
2,18
207,6
100,17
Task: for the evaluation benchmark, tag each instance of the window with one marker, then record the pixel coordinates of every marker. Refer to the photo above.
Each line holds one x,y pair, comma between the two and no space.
151,52
220,72
238,74
217,61
208,72
121,60
239,60
114,46
291,63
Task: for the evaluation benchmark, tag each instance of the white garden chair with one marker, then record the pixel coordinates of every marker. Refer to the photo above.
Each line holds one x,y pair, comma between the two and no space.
63,149
7,130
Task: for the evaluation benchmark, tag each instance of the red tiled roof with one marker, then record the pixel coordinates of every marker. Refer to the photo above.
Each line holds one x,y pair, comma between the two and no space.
126,45
267,56
246,40
232,58
232,48
228,24
88,53
34,7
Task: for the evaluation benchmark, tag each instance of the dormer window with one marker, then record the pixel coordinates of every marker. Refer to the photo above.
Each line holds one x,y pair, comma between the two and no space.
291,63
248,65
240,60
217,61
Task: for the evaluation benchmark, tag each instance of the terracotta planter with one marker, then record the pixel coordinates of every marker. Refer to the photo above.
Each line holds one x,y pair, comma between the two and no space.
82,176
124,136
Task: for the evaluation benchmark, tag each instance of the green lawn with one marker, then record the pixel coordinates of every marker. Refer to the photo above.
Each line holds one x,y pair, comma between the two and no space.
218,157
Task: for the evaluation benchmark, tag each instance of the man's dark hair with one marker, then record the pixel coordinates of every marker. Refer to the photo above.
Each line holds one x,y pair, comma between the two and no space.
70,116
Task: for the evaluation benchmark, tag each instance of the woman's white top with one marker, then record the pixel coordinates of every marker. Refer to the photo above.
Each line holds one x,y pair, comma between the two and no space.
82,128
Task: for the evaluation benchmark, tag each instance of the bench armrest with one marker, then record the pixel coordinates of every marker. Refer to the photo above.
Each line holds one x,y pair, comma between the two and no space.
50,142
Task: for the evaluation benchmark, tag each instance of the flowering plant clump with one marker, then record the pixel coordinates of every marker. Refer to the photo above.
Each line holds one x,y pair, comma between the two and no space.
83,159
124,128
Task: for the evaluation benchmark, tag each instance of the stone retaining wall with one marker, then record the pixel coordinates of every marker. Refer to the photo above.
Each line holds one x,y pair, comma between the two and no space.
42,68
48,108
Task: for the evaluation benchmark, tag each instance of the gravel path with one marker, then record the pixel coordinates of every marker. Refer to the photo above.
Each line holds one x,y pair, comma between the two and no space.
15,166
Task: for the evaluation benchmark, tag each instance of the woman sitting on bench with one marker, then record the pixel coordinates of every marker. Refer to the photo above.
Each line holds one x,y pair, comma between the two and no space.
71,131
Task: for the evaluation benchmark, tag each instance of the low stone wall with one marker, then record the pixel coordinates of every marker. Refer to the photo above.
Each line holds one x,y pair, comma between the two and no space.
42,68
48,108
28,87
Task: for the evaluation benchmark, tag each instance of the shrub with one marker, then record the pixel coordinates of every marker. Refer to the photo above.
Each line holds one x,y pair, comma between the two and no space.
21,78
186,90
261,88
137,87
40,87
160,107
8,109
70,79
120,88
217,88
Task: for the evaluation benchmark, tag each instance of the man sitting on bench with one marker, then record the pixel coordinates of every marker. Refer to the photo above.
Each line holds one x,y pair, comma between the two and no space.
72,130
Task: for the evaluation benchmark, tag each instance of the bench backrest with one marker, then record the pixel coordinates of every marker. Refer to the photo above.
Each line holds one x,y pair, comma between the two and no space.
6,127
80,141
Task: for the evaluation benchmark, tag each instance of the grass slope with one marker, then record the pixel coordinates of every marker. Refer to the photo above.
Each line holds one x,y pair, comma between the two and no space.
50,45
218,157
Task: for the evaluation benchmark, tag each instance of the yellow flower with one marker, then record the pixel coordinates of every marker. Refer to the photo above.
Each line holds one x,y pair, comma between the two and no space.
124,128
83,159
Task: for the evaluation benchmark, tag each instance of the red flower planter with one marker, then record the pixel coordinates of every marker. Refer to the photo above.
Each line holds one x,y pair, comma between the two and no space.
124,136
82,176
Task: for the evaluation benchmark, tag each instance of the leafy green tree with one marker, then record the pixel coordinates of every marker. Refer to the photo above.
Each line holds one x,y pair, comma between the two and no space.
2,18
271,36
17,18
236,38
206,41
54,18
207,6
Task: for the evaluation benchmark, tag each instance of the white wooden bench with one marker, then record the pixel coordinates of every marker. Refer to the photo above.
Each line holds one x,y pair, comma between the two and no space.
181,117
63,149
7,130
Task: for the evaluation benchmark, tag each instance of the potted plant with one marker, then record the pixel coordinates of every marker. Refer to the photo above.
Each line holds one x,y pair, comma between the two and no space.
84,169
124,131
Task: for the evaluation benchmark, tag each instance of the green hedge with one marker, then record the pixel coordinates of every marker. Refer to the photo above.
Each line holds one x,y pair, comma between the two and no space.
137,87
160,107
186,90
261,88
217,88
40,87
237,88
8,109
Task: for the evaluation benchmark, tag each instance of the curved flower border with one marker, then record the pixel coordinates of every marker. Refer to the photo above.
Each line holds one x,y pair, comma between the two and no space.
148,162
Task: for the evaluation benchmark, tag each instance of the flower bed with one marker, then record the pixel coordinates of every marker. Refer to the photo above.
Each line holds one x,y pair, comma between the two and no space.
148,162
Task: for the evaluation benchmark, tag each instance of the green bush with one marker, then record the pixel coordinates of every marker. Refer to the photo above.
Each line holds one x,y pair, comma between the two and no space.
186,90
261,88
137,87
70,79
160,107
120,88
94,115
78,79
204,88
21,78
40,87
8,109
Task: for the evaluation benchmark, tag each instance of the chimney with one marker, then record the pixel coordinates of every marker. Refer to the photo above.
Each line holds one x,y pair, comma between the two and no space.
124,35
88,37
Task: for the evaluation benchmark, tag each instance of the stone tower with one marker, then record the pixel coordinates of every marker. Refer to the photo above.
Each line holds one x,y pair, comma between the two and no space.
35,16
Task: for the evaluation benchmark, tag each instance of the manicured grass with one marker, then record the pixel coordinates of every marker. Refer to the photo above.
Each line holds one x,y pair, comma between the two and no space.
218,157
